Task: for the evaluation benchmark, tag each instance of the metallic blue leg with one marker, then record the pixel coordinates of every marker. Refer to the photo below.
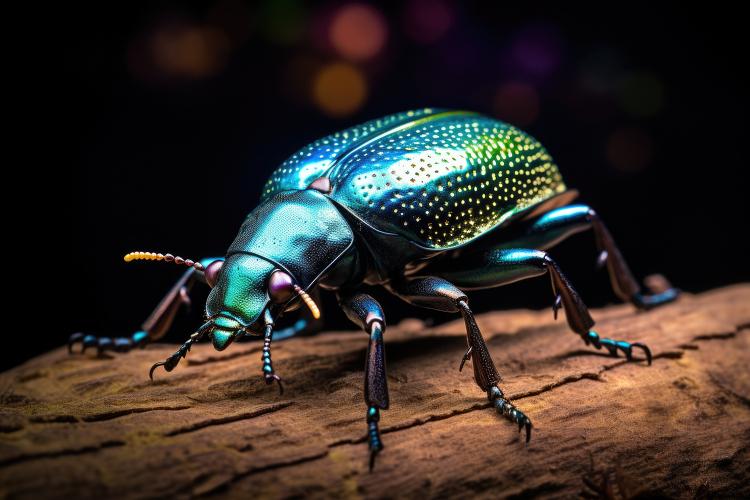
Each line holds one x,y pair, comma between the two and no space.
365,312
555,226
500,267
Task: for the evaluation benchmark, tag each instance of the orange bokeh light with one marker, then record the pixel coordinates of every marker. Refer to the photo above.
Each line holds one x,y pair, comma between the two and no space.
339,90
358,32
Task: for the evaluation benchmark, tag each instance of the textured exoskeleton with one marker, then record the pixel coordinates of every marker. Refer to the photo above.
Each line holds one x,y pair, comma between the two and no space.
393,202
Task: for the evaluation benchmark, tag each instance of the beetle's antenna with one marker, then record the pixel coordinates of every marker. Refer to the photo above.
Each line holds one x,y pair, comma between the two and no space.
313,308
168,257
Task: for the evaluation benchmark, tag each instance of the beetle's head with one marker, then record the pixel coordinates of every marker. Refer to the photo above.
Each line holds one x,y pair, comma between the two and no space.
283,248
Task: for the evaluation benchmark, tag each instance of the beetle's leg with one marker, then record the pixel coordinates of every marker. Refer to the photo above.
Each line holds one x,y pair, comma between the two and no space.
437,293
501,267
174,359
156,325
505,407
267,365
365,312
553,227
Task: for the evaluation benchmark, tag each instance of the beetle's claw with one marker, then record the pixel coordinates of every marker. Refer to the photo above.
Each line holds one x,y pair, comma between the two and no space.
557,305
160,363
466,358
645,349
269,380
373,453
525,422
602,259
75,338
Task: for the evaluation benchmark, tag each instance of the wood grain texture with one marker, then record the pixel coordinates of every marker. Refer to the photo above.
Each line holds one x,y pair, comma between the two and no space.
89,426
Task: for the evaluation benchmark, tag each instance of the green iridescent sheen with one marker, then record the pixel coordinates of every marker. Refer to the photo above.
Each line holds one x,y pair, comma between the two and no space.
440,178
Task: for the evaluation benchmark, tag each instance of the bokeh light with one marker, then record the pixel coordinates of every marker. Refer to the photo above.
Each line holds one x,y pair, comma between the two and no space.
177,50
517,104
283,21
339,90
629,149
641,94
358,32
427,21
193,52
539,48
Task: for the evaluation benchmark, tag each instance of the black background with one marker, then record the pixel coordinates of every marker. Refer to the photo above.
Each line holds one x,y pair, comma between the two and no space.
111,164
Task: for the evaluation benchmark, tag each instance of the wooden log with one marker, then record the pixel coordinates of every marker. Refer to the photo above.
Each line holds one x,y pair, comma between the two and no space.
89,426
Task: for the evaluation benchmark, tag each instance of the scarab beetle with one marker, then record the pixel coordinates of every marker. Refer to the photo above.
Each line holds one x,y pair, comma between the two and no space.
427,204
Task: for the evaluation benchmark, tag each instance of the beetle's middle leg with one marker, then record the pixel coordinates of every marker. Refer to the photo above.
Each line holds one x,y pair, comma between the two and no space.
551,228
366,313
501,267
437,293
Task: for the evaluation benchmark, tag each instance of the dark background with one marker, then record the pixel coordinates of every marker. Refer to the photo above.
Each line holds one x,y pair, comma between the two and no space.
154,127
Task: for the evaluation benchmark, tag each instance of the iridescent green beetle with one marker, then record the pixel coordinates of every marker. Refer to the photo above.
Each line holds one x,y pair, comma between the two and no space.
426,203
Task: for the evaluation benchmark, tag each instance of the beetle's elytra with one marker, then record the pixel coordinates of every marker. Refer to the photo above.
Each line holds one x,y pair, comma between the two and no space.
390,202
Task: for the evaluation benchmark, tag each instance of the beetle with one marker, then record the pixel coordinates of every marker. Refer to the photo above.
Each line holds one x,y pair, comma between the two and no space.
428,204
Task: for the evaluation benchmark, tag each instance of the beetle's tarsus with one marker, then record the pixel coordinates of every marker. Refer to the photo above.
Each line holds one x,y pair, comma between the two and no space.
373,434
466,358
505,407
557,305
613,345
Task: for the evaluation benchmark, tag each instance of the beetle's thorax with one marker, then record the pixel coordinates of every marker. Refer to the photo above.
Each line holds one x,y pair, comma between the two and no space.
298,232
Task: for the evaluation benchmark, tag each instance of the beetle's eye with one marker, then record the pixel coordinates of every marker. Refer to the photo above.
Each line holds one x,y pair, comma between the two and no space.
280,287
212,272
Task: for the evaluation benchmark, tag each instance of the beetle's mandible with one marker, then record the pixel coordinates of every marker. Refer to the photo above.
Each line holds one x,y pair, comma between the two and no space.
393,202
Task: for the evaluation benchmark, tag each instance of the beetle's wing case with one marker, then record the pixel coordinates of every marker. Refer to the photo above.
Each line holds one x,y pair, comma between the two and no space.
445,178
316,159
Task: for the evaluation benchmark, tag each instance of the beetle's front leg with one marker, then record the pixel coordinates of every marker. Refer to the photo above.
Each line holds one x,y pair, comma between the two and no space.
365,312
436,293
158,322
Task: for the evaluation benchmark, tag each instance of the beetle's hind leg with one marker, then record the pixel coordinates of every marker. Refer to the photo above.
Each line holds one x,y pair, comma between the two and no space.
502,267
437,293
366,313
551,228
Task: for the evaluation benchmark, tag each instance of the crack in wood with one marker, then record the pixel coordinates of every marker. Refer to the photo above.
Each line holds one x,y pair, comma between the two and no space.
61,453
99,417
226,420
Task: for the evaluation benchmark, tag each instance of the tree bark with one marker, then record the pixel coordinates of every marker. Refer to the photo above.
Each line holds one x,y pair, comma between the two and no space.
90,426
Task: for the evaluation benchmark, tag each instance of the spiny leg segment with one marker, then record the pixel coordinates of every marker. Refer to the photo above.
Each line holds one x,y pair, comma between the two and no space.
437,293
